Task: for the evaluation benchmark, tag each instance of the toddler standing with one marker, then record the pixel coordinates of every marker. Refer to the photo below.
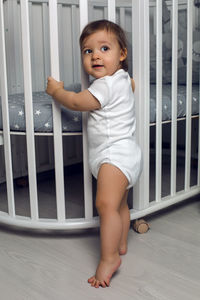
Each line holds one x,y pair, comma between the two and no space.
114,156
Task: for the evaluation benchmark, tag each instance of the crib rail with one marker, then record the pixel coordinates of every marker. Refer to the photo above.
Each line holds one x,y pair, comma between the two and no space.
141,202
29,110
174,96
58,147
189,95
140,36
6,136
88,203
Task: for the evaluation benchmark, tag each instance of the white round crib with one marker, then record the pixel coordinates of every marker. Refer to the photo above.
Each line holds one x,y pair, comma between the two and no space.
171,171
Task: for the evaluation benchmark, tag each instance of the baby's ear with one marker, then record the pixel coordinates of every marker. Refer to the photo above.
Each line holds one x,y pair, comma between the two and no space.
123,54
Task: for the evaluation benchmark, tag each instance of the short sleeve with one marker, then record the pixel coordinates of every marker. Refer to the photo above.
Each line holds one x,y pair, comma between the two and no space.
100,90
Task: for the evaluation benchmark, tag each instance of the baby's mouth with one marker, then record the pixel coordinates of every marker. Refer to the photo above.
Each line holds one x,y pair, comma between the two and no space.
97,66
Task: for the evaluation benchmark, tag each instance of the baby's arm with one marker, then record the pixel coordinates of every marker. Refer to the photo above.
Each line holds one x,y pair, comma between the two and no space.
83,101
133,84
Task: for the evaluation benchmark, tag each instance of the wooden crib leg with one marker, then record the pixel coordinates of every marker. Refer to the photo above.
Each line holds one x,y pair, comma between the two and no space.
141,226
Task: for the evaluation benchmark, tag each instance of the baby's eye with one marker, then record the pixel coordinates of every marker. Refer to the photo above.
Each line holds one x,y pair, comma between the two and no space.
87,51
104,48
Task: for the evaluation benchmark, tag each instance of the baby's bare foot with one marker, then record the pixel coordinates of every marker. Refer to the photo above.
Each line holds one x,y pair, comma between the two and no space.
104,272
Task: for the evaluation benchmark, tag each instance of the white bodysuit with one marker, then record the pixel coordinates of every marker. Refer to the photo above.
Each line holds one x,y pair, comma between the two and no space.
111,128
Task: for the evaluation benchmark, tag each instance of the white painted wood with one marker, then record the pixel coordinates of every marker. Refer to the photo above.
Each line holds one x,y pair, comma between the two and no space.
45,28
111,10
75,29
5,116
188,96
58,147
178,120
174,96
18,76
166,202
43,133
140,38
10,51
29,109
158,99
34,19
64,35
88,204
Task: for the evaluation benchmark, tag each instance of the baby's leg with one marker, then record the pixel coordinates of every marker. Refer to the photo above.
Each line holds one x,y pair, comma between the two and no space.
111,186
125,217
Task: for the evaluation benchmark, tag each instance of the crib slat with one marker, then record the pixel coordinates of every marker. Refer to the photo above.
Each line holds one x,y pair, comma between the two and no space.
45,40
140,38
18,77
188,95
57,128
33,56
75,49
88,204
29,109
5,116
111,10
158,99
174,96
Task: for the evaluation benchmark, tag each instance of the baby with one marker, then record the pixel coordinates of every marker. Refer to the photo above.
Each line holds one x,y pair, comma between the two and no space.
115,158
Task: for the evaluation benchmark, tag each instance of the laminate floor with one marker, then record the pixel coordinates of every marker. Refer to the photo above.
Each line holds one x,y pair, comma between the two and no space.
163,264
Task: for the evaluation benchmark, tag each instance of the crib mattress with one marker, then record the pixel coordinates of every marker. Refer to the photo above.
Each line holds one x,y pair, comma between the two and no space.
72,120
166,101
42,113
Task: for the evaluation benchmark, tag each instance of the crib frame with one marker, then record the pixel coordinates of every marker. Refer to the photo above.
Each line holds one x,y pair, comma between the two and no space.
140,36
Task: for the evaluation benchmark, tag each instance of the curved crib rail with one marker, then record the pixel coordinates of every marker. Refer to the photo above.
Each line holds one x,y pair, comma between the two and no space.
83,223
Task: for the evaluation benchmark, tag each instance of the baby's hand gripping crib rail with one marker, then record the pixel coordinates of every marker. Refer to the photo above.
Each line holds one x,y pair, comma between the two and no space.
140,201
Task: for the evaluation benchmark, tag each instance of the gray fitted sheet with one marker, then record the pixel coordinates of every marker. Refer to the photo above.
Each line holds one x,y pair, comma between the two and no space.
166,101
42,113
72,120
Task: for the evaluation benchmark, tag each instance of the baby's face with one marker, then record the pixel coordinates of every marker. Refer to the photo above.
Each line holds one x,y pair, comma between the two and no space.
101,54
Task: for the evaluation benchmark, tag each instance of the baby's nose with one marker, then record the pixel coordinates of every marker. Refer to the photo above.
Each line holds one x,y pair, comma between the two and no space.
95,55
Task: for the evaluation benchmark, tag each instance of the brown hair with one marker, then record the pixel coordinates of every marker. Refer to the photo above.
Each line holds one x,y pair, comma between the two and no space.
109,27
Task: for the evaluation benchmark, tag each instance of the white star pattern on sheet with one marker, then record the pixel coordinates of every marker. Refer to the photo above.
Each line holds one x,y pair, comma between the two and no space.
75,119
20,113
47,125
37,112
165,106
